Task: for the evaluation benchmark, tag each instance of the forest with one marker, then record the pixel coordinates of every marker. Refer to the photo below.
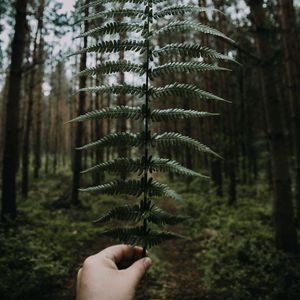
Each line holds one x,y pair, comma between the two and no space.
170,125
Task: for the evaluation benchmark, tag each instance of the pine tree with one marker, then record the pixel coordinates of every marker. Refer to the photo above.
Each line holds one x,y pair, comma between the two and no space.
11,141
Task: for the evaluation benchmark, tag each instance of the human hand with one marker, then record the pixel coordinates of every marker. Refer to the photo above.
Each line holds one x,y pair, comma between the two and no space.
100,278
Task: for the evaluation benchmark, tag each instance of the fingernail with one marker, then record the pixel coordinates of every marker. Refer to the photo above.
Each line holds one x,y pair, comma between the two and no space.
147,262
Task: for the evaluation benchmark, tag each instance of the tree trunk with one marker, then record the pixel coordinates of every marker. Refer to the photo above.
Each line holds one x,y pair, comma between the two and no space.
26,141
39,108
291,48
77,162
11,142
285,231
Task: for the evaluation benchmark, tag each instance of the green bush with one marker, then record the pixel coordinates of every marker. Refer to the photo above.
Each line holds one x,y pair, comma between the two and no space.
238,258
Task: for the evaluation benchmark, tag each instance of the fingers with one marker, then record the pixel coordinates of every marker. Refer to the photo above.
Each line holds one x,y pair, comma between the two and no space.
78,282
122,253
138,269
79,274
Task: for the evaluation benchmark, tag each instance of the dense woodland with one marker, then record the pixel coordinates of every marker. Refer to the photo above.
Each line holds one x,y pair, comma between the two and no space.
243,222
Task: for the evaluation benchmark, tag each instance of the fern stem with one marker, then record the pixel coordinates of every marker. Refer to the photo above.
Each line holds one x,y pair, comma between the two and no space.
147,201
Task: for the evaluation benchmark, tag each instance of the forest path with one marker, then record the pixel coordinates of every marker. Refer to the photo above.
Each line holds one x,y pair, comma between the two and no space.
181,279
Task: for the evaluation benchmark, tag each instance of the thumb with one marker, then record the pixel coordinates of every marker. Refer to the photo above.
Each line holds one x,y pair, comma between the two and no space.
137,270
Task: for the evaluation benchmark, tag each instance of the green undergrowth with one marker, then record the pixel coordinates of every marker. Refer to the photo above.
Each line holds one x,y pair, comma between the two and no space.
235,252
231,247
44,245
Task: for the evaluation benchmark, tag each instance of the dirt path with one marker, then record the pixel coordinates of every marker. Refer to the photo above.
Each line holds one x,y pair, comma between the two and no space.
181,281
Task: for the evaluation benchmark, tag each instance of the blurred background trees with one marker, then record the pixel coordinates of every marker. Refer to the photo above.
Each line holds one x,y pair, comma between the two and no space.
258,134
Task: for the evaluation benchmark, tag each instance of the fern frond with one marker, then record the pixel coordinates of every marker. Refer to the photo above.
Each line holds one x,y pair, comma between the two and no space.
115,13
171,114
169,139
182,89
134,213
191,50
117,139
98,2
118,187
134,188
159,189
137,236
113,28
180,26
138,165
167,165
180,10
117,89
123,213
114,46
113,67
118,165
160,217
117,112
188,67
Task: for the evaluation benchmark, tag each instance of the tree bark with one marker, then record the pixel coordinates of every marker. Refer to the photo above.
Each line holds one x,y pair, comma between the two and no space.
11,142
26,141
77,161
39,109
291,49
285,230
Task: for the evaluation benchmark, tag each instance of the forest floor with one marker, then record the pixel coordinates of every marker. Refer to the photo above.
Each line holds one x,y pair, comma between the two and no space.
228,253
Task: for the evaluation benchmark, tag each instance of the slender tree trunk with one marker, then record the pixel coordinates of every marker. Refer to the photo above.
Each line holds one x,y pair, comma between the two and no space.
3,117
11,142
39,108
285,230
77,162
99,131
216,163
26,140
291,48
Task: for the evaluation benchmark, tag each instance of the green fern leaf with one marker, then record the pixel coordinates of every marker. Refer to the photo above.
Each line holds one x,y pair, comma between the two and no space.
98,2
118,187
158,189
167,165
113,67
180,10
117,139
119,165
180,26
138,165
124,213
114,46
137,236
134,213
182,89
168,139
115,13
111,113
160,217
171,114
117,89
188,67
191,50
113,28
134,188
